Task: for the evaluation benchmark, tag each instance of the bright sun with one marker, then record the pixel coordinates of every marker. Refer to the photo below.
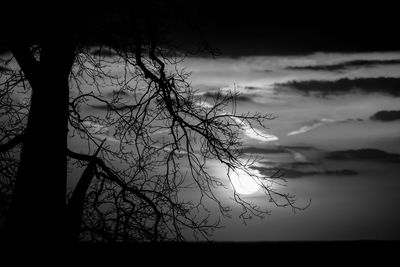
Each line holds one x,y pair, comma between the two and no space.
244,183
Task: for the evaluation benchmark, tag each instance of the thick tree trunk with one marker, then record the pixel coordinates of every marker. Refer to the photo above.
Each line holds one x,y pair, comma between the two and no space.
38,207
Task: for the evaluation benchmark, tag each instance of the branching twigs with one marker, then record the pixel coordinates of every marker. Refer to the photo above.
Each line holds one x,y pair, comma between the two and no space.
153,140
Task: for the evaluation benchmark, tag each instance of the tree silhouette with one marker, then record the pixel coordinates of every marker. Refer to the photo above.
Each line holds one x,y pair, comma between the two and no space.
63,61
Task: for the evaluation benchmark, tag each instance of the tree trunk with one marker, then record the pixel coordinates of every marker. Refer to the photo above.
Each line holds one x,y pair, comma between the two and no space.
38,207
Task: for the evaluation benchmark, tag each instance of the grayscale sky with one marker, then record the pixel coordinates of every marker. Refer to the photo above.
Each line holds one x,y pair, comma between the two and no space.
332,79
331,76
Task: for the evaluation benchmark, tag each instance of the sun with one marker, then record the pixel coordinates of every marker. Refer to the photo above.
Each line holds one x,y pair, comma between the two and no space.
244,183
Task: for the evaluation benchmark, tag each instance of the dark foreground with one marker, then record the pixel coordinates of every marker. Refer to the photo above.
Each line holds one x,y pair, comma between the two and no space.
204,253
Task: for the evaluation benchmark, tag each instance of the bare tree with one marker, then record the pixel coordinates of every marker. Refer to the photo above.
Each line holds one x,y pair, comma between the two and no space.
129,189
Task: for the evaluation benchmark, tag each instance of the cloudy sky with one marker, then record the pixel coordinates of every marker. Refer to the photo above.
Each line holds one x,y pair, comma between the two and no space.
331,76
333,82
337,139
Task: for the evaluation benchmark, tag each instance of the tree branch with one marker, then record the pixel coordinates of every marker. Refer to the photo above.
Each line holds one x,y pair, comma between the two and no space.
75,204
12,143
114,178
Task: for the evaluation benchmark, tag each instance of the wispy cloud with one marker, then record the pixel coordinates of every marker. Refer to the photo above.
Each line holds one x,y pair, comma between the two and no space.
308,128
255,134
99,131
248,131
318,123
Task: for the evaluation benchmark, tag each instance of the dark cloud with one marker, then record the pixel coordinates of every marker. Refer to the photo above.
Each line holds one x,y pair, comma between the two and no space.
298,164
300,147
324,88
239,97
386,115
346,65
369,154
261,150
278,150
340,172
292,173
252,87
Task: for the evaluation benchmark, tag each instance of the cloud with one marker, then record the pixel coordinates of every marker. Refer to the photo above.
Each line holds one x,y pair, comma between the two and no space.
368,154
248,131
204,104
296,165
263,150
308,128
292,173
346,65
300,147
386,115
99,131
252,88
258,135
296,155
324,88
255,134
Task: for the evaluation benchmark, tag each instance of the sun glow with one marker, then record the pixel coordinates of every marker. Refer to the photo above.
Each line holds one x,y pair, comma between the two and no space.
244,183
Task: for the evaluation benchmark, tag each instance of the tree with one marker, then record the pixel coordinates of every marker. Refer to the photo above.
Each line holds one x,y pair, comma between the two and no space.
129,190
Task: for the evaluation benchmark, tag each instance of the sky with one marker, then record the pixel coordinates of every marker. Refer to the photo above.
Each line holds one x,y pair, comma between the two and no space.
336,139
332,80
337,145
331,76
273,27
